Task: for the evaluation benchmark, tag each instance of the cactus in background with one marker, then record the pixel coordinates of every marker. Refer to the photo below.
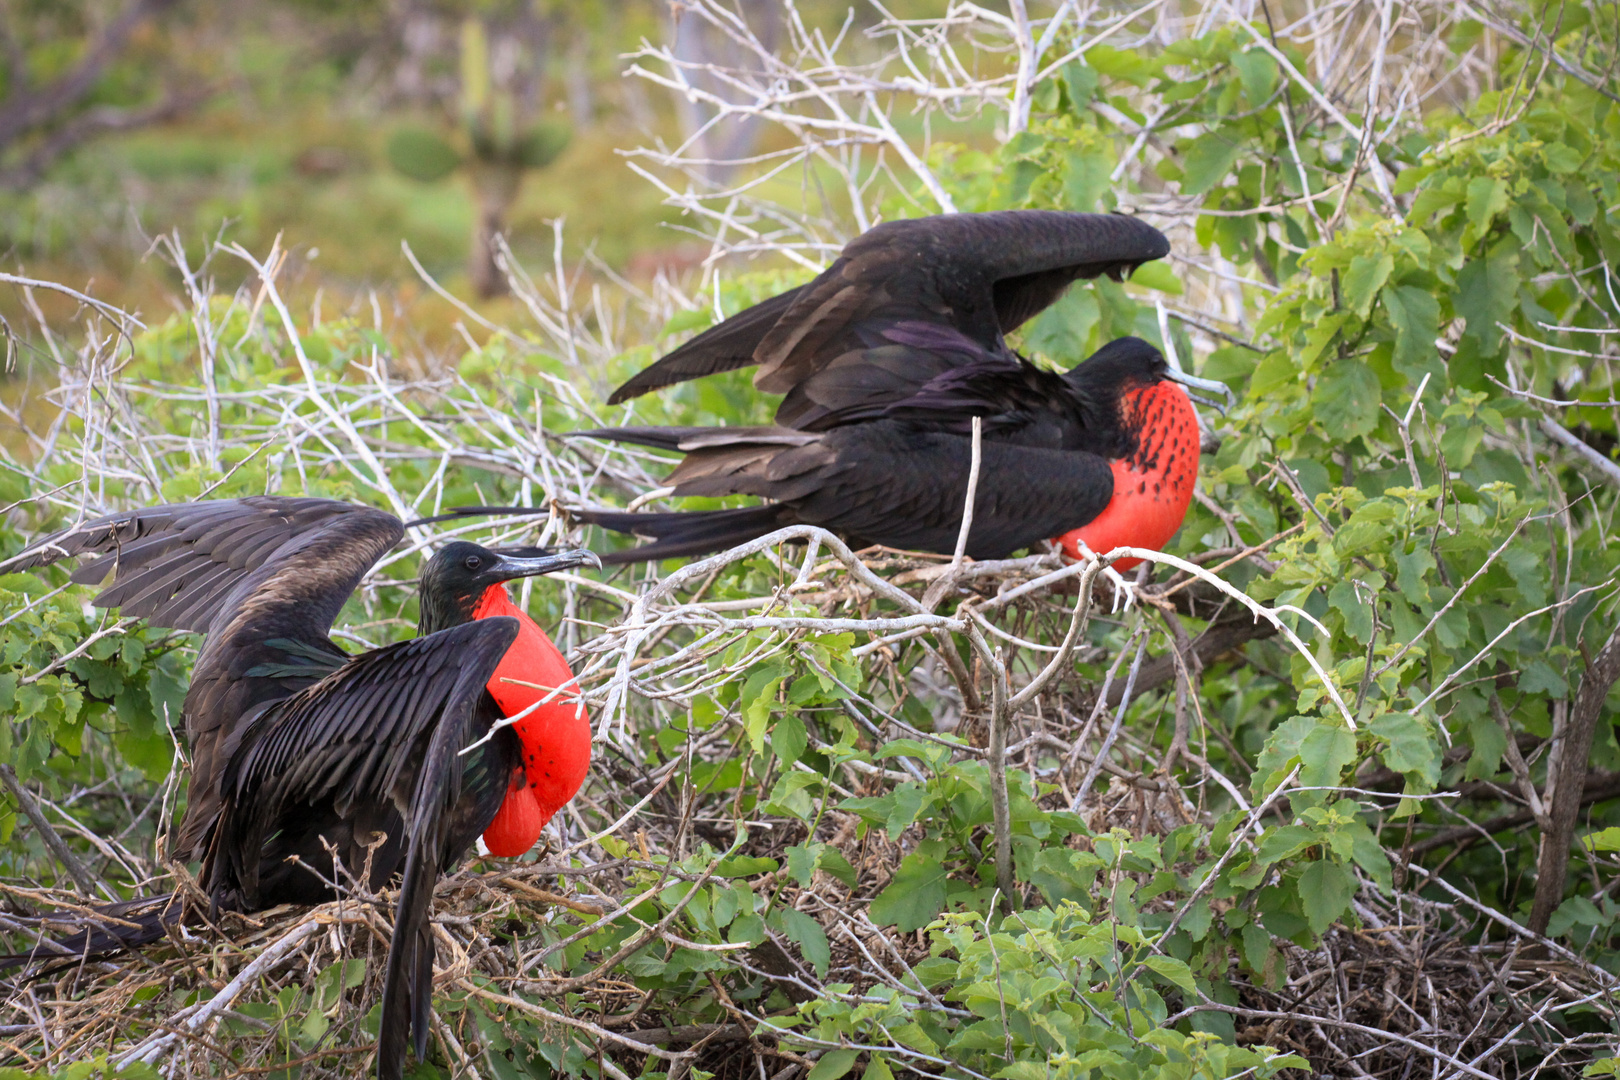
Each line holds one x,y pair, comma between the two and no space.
495,147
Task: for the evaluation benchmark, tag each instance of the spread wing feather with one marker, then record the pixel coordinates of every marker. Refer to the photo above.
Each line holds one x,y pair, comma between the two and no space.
981,275
179,565
725,346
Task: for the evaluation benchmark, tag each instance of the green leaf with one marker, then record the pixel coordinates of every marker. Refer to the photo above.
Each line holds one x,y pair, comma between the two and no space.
724,904
1208,160
1411,749
801,861
876,1069
1080,80
739,866
1346,400
1415,315
1606,840
1357,615
690,319
789,739
1157,275
1560,158
1173,971
541,145
1325,889
1540,677
1259,74
1366,275
909,800
834,863
1324,755
833,1064
914,896
336,978
1285,841
1256,946
1487,197
759,690
1487,290
1412,575
1087,178
810,937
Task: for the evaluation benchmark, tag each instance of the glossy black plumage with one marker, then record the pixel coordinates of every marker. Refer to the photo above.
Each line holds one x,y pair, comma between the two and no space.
884,361
300,749
982,275
894,470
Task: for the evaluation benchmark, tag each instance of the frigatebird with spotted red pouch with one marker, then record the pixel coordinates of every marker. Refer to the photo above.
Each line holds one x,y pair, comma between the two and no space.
886,359
396,759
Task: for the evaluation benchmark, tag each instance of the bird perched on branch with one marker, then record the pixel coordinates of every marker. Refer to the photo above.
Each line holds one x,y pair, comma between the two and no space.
886,359
397,759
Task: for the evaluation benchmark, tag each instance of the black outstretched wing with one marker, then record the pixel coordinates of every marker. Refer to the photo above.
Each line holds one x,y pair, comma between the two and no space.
263,576
386,729
981,274
184,565
726,346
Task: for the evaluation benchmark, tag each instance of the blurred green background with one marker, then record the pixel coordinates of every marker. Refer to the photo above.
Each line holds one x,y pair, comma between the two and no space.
345,126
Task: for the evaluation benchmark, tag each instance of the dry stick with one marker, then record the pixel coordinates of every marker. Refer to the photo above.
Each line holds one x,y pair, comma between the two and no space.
1257,609
1456,596
1445,684
1113,732
53,839
1077,627
1266,1014
1234,845
1560,434
153,1048
1566,777
583,1025
972,489
1000,805
947,580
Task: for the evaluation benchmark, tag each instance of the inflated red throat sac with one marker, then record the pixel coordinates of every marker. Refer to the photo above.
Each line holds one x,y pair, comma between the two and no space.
1154,486
556,736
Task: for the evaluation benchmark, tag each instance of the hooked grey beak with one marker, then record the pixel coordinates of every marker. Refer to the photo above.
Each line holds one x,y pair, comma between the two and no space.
1209,386
532,562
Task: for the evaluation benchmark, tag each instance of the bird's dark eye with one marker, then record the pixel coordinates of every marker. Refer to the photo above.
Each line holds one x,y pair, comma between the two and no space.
473,562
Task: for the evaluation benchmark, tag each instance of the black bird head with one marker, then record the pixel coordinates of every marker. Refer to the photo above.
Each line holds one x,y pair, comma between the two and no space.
458,575
1129,363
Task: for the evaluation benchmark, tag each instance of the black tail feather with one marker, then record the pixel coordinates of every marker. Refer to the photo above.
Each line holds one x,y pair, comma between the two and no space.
696,533
107,929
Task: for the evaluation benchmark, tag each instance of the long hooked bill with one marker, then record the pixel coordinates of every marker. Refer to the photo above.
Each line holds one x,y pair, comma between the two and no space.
1180,376
533,561
1209,386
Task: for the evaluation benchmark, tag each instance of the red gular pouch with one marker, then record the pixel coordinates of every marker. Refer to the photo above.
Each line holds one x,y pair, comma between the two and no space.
1154,486
556,736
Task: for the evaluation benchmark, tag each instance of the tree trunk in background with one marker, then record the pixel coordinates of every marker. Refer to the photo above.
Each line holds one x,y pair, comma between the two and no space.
495,189
695,43
1566,780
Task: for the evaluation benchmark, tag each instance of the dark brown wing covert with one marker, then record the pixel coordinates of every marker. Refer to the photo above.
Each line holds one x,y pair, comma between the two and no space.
980,274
